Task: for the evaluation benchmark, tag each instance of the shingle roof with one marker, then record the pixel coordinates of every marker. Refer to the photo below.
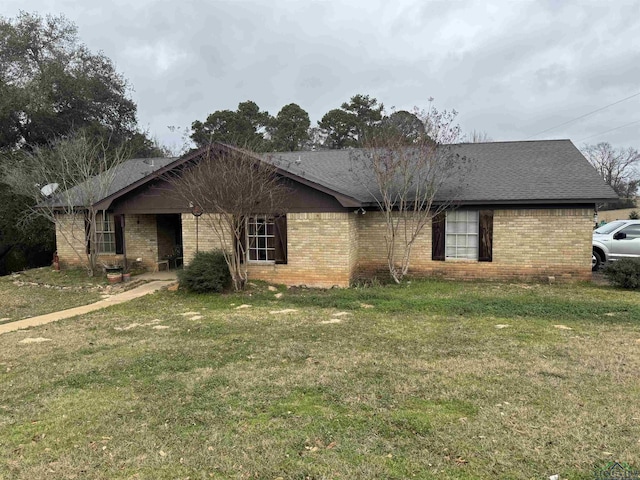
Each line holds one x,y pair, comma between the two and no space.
126,174
498,172
542,171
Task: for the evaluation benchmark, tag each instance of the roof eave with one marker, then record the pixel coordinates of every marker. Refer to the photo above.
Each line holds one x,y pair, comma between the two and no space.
541,202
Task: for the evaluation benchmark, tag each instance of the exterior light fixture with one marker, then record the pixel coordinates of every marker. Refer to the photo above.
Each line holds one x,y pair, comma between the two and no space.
196,211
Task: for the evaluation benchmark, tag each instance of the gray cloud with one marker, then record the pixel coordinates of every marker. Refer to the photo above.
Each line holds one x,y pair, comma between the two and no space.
511,69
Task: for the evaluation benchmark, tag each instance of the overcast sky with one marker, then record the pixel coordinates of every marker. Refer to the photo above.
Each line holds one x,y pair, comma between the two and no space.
511,69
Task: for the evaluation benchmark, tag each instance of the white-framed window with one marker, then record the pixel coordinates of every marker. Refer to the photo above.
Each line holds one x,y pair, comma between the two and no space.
461,232
261,239
105,232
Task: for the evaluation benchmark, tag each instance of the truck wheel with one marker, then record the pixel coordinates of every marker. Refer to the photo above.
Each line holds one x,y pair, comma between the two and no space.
596,261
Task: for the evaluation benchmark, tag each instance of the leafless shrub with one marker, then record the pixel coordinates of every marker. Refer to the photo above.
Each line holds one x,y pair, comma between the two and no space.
411,181
227,185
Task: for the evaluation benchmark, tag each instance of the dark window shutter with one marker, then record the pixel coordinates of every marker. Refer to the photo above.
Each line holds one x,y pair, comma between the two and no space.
241,246
485,251
118,221
437,236
280,224
87,233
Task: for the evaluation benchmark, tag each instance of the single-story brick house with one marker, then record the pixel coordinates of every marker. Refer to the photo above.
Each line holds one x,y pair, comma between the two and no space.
527,211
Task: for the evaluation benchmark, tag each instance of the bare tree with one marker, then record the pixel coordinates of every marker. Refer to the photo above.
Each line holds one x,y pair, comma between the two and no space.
411,184
619,167
66,180
228,185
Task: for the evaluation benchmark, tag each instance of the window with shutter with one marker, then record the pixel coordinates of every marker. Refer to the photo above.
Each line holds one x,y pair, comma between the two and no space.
485,251
105,232
462,234
118,221
461,241
437,237
280,223
266,239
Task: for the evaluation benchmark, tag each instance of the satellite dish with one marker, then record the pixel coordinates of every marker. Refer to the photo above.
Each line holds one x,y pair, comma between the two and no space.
49,188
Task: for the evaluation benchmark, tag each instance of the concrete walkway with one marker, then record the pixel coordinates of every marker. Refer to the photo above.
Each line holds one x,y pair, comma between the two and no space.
153,286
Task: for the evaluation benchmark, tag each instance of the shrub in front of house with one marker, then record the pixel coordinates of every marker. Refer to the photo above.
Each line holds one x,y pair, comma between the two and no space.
207,272
624,273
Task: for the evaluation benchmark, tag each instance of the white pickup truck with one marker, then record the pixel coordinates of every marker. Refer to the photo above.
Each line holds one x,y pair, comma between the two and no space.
615,240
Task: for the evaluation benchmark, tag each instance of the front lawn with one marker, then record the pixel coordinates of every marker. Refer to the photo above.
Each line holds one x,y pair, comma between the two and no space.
431,380
43,290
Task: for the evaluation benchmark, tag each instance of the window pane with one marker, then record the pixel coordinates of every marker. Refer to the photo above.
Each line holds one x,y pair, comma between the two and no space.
451,241
261,238
469,252
462,234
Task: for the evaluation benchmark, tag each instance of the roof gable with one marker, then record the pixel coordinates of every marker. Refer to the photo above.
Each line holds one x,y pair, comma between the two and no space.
126,174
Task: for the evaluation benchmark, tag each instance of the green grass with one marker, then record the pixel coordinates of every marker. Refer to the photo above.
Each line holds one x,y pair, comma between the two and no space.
415,382
43,290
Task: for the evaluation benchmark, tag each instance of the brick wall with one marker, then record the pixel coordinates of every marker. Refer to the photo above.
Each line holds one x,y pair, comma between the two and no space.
70,243
140,236
319,250
353,225
206,240
527,244
327,249
141,239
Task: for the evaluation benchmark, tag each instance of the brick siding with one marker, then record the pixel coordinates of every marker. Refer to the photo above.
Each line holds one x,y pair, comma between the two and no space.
320,249
70,243
140,236
333,249
527,244
141,239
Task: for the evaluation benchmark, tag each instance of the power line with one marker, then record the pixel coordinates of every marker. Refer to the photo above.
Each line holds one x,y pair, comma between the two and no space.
583,116
602,133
